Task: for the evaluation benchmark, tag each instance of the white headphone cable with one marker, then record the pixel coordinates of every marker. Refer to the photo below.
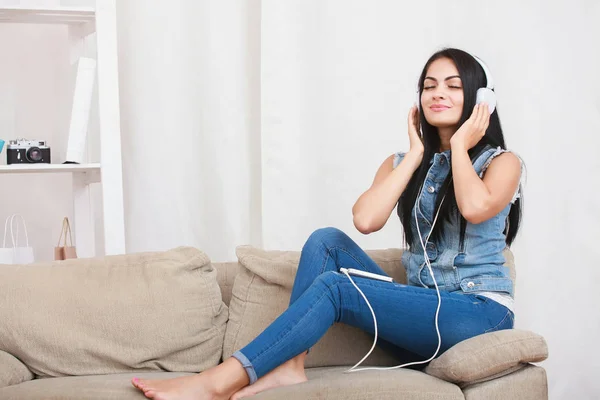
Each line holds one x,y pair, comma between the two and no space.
354,369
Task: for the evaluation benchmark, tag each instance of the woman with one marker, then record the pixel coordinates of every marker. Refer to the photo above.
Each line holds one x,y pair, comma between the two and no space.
459,175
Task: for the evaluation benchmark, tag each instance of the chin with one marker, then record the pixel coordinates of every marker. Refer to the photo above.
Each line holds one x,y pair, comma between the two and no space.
443,123
442,120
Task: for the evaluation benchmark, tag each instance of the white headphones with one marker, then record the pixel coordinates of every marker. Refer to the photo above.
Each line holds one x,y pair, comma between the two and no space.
484,94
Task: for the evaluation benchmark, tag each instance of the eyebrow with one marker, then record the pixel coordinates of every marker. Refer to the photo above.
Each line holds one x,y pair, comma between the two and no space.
448,78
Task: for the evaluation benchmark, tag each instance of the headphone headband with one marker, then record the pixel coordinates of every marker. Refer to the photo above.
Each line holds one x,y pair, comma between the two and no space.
488,76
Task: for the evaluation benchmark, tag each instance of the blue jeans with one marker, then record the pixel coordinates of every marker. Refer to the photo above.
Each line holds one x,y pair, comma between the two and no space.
405,314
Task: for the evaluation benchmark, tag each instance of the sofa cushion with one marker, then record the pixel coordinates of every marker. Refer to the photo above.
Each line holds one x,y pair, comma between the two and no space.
489,356
94,387
261,292
323,383
530,382
12,371
226,272
156,311
333,384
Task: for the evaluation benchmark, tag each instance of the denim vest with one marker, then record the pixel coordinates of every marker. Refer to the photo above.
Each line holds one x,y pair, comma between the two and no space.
476,264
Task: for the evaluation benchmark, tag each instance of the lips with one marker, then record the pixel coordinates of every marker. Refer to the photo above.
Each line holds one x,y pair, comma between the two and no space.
439,107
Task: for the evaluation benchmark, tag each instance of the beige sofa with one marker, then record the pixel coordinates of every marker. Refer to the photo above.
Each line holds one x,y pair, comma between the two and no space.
81,329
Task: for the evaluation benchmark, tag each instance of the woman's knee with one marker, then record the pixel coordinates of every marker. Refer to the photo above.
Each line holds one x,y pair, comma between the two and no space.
317,252
328,237
330,278
329,281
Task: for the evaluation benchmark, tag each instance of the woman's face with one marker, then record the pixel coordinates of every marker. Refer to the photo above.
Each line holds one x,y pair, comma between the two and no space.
442,96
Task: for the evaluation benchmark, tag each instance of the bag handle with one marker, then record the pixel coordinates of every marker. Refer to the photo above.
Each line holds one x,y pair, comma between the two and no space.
9,218
66,228
15,238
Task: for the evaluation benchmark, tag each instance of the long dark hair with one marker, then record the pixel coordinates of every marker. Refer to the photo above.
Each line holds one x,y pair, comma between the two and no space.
472,77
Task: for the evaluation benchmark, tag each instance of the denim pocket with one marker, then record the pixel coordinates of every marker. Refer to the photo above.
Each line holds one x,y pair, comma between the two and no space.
478,299
506,323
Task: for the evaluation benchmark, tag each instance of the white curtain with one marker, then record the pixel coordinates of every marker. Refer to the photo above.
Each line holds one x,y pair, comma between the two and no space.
260,121
190,95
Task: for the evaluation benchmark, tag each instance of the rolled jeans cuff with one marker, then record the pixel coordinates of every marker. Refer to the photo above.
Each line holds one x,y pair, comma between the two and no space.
247,365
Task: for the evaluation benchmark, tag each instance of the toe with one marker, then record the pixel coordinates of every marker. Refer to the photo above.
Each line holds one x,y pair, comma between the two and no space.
136,382
144,384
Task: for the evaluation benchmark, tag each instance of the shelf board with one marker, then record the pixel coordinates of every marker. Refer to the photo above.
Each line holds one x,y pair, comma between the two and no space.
48,168
47,15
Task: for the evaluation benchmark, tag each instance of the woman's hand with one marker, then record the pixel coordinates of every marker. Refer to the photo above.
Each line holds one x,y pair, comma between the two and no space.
471,132
414,131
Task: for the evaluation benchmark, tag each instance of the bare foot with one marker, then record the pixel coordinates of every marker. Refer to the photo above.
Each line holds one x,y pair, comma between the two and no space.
184,388
288,373
217,383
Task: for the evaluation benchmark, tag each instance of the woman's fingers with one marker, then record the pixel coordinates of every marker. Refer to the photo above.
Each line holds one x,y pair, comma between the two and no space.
416,119
475,112
486,121
482,114
412,116
485,115
484,118
479,117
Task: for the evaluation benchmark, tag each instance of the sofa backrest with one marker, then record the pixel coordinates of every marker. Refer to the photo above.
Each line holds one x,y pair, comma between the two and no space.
112,314
226,272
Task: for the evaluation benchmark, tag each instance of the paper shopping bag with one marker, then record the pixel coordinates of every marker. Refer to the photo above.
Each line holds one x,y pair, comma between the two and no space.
65,252
16,254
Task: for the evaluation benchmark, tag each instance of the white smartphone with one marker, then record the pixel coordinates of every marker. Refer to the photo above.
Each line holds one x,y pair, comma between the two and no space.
364,274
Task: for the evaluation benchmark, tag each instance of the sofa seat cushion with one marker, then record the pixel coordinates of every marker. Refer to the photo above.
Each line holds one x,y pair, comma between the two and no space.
157,311
261,292
331,383
323,384
528,383
12,371
93,387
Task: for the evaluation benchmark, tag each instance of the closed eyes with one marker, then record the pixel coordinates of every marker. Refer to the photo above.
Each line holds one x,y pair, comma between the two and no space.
431,87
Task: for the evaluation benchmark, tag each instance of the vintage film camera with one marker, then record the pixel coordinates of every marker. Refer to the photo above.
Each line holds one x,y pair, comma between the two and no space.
22,151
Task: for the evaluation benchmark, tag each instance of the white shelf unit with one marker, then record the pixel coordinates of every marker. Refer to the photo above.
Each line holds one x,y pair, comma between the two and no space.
81,23
91,169
47,15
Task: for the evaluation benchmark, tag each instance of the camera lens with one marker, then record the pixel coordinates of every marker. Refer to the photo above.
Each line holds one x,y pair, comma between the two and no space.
34,154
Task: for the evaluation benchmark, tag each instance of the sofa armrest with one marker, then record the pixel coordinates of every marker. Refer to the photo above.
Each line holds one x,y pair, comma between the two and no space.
12,371
488,356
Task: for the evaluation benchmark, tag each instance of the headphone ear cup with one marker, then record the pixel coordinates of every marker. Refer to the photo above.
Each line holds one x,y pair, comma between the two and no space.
488,96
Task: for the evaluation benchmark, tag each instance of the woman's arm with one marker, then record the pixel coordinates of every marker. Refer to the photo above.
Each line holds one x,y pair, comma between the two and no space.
480,199
373,208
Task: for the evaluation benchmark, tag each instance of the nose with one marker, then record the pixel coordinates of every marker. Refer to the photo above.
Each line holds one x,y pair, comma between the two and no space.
438,94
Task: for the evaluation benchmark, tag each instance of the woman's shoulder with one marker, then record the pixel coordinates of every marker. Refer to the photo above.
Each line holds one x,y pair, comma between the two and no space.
508,156
508,160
